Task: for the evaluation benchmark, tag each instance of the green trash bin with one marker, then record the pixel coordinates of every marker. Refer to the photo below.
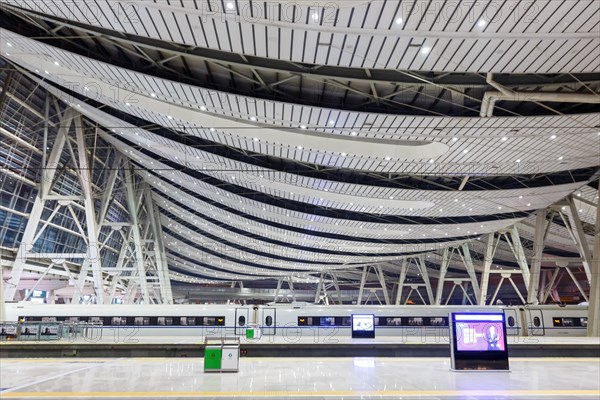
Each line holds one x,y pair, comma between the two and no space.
212,358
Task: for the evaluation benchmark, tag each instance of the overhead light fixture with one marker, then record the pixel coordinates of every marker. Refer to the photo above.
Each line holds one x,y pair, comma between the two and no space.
353,133
202,108
230,6
388,158
299,147
398,21
504,139
343,154
425,50
152,94
454,139
560,158
169,117
519,160
252,118
465,151
56,63
553,137
302,126
315,16
481,23
9,44
46,72
255,139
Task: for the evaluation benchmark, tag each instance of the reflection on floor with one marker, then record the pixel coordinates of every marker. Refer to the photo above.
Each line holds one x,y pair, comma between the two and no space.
339,378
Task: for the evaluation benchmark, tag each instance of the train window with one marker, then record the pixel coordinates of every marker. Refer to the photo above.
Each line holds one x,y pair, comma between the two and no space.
48,319
583,321
187,321
438,321
415,321
537,322
557,321
220,321
269,320
118,321
165,321
141,321
393,321
241,320
327,321
511,321
302,321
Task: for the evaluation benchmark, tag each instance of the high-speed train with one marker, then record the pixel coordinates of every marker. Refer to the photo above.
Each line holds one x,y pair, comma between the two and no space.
294,320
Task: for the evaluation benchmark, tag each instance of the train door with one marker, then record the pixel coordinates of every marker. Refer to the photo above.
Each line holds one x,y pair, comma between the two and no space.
241,320
535,323
513,327
268,321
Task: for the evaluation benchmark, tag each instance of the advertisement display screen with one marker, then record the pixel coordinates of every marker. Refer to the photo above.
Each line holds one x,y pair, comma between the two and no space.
479,336
479,341
363,326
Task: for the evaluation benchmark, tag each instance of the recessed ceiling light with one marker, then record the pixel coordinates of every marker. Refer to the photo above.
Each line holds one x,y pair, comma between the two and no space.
152,94
398,21
46,72
56,63
431,161
9,44
519,160
425,50
255,139
481,23
343,154
315,16
391,197
388,158
353,133
299,147
302,126
499,207
127,104
560,158
230,6
465,151
212,129
169,117
252,118
504,139
203,108
553,137
8,54
454,139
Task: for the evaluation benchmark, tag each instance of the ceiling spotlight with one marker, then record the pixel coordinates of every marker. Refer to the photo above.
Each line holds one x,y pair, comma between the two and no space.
212,129
127,104
56,63
398,21
252,118
425,50
230,6
454,139
431,161
519,160
46,72
255,139
152,94
560,158
353,133
302,126
9,44
299,147
343,154
465,151
553,137
315,16
169,117
504,139
203,108
481,23
388,158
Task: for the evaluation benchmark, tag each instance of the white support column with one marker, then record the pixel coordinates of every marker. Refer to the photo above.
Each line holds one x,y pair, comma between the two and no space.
277,289
580,239
93,253
536,260
336,285
468,261
48,175
594,305
401,279
137,238
442,278
363,280
423,269
2,284
160,255
319,288
517,247
291,286
577,285
487,264
379,273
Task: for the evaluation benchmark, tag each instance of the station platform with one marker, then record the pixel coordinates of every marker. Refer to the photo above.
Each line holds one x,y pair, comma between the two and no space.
274,346
304,378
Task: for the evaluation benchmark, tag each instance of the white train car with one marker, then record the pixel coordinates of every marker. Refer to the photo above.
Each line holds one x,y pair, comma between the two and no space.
552,320
293,321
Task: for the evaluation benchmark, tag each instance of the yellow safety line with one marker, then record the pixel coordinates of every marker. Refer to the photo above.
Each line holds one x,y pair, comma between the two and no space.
279,394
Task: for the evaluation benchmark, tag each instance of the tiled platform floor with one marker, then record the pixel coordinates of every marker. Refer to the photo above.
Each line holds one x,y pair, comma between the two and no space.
304,378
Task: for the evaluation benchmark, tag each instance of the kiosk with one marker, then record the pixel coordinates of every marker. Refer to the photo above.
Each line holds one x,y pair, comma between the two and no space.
363,326
478,342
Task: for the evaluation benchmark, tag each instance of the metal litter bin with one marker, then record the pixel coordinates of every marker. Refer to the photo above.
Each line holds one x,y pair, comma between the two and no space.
221,354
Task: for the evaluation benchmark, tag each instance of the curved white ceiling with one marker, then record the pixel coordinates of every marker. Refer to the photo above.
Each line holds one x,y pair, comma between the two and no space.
543,36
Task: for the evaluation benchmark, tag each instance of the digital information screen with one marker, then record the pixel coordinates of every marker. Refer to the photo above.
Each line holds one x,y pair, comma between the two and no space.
478,342
363,326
